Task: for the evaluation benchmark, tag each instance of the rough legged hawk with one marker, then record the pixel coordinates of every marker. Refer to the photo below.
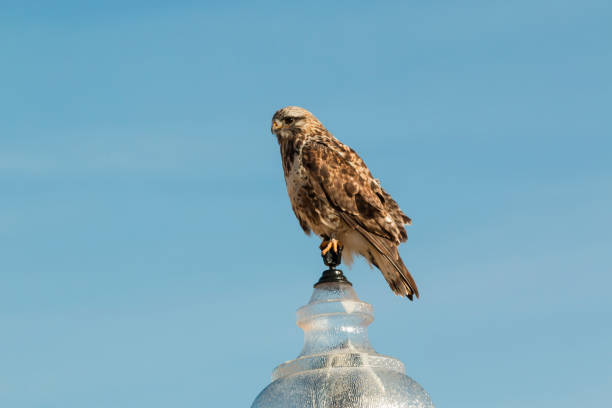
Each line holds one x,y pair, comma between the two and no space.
333,194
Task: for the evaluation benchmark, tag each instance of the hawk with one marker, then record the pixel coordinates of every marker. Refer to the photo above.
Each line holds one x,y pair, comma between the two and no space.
334,195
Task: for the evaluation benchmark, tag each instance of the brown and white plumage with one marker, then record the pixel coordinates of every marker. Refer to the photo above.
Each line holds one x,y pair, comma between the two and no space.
334,194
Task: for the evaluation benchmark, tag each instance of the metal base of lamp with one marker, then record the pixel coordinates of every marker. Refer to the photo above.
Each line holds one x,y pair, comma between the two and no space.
332,259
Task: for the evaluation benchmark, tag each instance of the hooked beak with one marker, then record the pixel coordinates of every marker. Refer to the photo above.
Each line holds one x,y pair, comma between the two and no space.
276,124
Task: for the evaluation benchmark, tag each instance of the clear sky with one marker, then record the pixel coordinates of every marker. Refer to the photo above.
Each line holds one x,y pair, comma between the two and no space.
148,253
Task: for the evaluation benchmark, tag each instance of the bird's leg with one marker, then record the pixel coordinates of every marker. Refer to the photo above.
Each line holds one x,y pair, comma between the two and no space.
331,251
329,243
325,246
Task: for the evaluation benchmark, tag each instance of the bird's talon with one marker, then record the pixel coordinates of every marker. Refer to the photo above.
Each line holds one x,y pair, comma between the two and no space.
325,247
331,244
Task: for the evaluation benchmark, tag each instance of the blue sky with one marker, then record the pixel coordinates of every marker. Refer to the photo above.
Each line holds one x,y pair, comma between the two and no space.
148,252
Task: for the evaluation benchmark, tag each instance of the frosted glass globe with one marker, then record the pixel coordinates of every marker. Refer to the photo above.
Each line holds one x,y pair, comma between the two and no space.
338,367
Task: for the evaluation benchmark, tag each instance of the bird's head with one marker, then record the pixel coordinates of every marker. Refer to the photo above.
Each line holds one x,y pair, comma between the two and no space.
292,120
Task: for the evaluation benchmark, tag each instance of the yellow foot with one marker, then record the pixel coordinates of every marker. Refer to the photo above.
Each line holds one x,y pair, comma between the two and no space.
326,245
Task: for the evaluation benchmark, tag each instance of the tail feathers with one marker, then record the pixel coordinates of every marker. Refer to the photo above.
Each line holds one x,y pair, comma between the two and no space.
384,255
396,274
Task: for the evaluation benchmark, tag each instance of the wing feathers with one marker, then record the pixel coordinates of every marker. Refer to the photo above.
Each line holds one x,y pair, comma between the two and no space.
349,187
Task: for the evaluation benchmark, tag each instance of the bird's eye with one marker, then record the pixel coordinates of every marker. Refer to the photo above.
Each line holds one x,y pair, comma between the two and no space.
288,121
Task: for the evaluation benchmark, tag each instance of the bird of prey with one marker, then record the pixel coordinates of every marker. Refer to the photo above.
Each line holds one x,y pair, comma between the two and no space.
334,195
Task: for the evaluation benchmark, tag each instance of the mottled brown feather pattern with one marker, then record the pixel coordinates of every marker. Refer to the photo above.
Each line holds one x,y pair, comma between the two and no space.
334,194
